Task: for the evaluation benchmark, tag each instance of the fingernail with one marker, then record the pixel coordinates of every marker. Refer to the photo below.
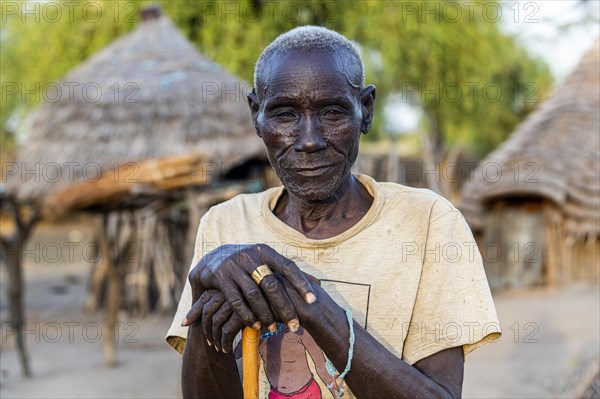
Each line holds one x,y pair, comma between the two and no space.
224,350
184,323
310,297
273,327
293,325
209,343
257,325
217,349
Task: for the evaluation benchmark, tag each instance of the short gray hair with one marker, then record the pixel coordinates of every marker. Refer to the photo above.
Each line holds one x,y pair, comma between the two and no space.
308,38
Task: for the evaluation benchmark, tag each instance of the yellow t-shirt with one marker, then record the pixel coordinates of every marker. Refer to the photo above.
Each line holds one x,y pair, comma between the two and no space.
409,270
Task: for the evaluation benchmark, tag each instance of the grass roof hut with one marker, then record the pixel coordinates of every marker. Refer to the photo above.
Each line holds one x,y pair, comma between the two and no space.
146,132
536,199
148,95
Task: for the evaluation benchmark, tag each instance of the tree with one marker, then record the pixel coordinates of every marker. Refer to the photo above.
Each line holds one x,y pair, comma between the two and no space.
473,82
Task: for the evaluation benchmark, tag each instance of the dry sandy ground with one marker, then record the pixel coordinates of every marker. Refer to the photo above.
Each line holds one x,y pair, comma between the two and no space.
550,336
550,339
64,342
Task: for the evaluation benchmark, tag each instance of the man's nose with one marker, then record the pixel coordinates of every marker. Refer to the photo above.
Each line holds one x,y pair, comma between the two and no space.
311,136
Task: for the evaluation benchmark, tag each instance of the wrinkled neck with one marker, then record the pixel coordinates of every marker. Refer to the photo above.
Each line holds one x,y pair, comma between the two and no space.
328,218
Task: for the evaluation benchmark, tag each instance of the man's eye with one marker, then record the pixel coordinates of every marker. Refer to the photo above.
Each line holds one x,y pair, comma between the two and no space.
333,112
284,114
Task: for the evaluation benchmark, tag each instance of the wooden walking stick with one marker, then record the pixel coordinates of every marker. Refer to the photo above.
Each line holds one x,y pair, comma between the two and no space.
250,362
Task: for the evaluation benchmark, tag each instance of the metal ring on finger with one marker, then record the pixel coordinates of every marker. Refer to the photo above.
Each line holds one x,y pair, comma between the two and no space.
260,272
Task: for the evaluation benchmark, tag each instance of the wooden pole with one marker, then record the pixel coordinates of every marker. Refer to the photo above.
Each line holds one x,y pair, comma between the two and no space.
250,362
113,299
12,254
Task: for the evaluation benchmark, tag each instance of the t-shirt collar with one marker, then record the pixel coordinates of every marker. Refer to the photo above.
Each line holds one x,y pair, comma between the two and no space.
288,233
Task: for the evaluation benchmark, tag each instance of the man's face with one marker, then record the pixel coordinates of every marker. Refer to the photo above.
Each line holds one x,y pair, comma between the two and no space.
310,119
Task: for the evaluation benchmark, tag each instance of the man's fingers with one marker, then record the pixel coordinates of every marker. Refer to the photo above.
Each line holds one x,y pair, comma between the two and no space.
256,300
193,315
219,319
289,270
208,311
280,302
196,310
312,279
229,331
239,306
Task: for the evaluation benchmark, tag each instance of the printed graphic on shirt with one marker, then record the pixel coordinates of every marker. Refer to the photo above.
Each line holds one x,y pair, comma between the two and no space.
294,365
290,361
350,295
285,357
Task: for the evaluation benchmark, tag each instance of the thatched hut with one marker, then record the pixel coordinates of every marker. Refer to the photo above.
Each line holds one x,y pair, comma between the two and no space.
148,95
535,201
148,133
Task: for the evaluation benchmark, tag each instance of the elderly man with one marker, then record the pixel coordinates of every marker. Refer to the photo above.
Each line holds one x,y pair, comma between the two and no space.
386,280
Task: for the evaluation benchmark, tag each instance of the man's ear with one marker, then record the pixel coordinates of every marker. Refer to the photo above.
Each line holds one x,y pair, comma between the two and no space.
367,99
254,107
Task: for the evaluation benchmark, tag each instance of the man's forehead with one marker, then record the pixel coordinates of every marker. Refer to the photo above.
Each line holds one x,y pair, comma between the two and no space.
294,68
317,60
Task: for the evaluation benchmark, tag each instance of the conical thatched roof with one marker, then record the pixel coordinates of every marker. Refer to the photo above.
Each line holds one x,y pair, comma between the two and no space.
556,152
171,100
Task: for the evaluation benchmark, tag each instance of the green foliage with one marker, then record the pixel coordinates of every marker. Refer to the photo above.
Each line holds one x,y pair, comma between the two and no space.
452,67
41,42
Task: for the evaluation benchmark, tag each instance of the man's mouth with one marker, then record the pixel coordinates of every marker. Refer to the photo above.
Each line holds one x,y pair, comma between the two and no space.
313,170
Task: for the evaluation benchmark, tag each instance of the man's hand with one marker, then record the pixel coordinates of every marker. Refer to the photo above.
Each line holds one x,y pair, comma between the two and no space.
220,324
228,269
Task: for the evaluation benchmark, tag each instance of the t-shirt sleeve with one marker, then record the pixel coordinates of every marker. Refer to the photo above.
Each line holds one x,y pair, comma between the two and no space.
453,305
177,335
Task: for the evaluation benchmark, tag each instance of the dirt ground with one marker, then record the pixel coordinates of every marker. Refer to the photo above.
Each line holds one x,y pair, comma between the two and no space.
65,343
551,337
550,342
